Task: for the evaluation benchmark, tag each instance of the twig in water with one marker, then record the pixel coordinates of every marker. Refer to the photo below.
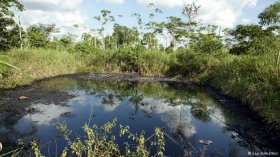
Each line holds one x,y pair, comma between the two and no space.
55,147
13,151
153,135
205,147
90,116
169,137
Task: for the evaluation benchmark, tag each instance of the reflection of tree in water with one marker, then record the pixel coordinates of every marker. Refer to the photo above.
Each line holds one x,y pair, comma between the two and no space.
176,117
172,101
135,99
199,110
110,101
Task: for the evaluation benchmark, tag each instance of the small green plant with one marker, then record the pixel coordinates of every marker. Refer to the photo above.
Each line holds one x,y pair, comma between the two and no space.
100,141
36,149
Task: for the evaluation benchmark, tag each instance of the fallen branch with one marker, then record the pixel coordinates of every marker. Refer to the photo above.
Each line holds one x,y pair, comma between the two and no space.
153,135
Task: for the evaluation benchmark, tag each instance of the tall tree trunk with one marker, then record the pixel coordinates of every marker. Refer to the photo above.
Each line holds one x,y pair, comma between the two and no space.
20,33
278,58
109,40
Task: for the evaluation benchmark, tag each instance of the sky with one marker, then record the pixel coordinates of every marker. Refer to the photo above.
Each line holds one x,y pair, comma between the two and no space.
66,13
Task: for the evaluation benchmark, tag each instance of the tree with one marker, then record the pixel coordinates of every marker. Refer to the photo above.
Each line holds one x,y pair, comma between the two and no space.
38,35
271,15
258,39
253,39
6,5
67,40
208,43
104,19
175,27
150,40
124,35
191,12
9,37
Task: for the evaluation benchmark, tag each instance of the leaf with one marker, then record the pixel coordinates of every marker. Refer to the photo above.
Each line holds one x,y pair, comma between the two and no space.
9,65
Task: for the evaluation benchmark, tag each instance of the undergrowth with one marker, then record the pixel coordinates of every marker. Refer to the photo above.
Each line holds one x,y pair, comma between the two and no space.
100,141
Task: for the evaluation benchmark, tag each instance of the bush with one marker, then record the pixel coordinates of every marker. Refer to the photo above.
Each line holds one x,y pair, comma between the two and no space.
82,48
128,59
208,44
100,141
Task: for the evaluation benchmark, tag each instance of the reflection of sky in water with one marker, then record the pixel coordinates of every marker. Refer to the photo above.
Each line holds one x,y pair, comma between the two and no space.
105,105
216,115
176,118
46,116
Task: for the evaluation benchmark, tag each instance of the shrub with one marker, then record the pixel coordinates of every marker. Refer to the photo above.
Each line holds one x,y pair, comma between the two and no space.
100,141
208,43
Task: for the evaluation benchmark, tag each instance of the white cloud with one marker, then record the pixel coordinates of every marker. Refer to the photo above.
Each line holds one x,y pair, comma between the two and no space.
52,4
246,21
165,3
112,1
224,13
60,12
63,20
65,14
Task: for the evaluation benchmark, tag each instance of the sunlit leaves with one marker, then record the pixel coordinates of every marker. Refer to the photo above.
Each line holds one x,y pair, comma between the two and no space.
6,5
100,141
271,15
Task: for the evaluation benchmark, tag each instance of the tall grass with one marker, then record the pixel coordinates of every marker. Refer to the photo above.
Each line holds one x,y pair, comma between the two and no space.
253,79
40,63
129,60
37,64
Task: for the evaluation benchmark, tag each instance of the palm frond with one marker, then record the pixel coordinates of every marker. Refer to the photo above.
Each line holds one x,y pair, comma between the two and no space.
9,65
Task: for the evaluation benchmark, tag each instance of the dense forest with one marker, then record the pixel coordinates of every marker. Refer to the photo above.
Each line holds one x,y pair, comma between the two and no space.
243,62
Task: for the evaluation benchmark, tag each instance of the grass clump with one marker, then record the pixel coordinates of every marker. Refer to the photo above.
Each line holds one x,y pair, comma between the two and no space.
40,63
37,64
253,79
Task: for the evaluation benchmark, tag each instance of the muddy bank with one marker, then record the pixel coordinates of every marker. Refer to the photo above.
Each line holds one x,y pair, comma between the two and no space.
129,77
106,77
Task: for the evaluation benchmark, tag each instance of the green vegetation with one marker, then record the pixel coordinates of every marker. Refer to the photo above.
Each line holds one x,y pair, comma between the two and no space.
43,63
40,63
242,62
100,141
